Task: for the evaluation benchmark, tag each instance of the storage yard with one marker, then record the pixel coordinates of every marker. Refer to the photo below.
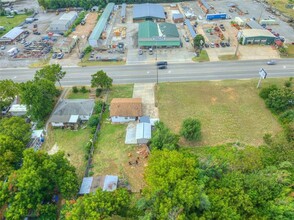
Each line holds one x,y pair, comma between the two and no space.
120,33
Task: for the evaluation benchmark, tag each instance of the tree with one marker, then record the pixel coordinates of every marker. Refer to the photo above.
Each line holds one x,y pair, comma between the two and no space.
191,129
16,128
52,72
174,186
39,97
163,138
198,41
30,189
264,92
280,100
100,205
10,155
8,91
100,79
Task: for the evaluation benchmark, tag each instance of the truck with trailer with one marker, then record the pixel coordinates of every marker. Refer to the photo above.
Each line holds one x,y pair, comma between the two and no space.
216,16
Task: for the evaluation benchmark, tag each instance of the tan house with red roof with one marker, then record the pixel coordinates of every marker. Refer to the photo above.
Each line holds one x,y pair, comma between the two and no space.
125,109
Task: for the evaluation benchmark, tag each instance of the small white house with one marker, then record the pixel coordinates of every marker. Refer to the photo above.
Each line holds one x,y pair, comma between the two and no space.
124,110
143,133
18,110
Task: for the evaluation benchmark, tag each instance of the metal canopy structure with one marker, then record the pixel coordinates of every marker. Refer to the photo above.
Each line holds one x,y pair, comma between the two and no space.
191,29
148,11
100,26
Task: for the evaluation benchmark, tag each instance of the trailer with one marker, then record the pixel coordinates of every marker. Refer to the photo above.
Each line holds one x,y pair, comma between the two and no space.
268,22
13,51
216,16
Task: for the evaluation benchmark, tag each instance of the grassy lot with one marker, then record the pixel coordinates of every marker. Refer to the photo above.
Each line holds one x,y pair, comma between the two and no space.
228,57
73,143
78,95
280,5
10,23
202,58
290,51
86,62
41,63
112,155
230,111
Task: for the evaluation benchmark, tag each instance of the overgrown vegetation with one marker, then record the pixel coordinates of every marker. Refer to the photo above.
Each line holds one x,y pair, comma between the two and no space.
81,16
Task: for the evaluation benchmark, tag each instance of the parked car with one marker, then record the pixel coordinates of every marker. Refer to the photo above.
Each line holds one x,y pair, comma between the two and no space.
206,45
37,33
81,55
212,45
223,44
140,51
228,44
271,62
54,55
2,47
216,45
162,67
60,55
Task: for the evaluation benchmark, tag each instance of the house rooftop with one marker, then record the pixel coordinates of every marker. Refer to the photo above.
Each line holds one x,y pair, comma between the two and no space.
131,107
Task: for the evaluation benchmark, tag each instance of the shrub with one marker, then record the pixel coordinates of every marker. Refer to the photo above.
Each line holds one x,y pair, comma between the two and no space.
264,92
287,116
280,100
98,107
98,92
93,121
191,129
288,84
84,90
75,89
88,49
289,131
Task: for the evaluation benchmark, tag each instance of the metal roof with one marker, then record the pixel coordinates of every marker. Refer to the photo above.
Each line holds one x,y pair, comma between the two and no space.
254,25
148,10
168,30
13,33
99,28
69,16
86,185
205,4
177,16
110,183
148,29
73,119
143,131
18,108
145,119
257,33
123,10
191,29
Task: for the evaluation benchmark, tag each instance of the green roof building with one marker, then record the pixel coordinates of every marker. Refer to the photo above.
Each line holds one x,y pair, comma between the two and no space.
256,36
158,35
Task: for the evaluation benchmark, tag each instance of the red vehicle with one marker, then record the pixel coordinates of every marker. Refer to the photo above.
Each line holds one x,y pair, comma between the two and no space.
216,44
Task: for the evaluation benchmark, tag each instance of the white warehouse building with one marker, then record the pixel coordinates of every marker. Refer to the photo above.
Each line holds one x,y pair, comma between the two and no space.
63,23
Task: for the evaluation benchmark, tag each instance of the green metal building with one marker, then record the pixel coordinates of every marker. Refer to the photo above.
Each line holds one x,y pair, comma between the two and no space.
158,35
256,36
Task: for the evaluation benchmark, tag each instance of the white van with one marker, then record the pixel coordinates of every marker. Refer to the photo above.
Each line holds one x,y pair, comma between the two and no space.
200,17
13,51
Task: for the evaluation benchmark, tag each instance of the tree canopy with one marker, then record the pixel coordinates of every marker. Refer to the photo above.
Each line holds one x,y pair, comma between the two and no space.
39,96
52,73
100,79
198,41
99,205
8,91
30,189
163,138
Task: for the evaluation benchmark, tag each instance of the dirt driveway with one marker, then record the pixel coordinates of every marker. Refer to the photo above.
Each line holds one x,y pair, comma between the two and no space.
146,92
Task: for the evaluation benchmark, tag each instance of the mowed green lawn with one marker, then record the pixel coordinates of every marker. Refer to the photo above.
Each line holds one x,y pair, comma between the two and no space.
73,144
230,111
10,23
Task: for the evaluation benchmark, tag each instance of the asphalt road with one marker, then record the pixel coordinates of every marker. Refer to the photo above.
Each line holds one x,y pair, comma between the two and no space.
176,72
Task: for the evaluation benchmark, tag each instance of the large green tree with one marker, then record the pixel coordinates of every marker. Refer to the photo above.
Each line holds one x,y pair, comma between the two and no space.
174,186
16,128
39,96
30,189
10,155
99,205
280,100
100,79
198,41
8,91
163,138
52,72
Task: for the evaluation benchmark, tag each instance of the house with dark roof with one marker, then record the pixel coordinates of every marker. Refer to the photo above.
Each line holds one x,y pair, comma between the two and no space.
72,112
147,11
125,109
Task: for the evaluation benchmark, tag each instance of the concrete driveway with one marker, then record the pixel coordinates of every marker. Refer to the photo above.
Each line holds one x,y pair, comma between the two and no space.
147,93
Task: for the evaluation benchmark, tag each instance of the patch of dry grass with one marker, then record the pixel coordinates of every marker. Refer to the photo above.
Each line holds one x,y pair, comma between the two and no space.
230,111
